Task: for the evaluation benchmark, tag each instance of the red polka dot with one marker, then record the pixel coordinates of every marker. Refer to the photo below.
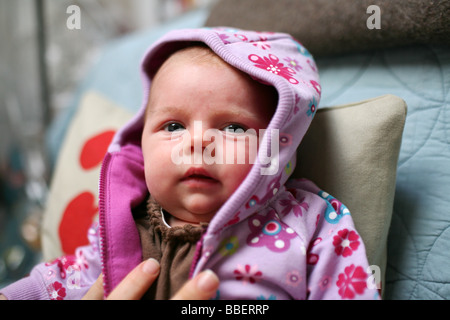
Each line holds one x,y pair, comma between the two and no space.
94,149
77,218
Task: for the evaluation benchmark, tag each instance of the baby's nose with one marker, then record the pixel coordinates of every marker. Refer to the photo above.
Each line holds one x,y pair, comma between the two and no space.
199,139
196,145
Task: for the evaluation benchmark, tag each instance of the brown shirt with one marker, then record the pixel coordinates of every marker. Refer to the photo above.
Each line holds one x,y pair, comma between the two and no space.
173,247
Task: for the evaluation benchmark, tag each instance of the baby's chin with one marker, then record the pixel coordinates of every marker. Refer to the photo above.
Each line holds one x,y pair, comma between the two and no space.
195,217
196,213
183,219
202,203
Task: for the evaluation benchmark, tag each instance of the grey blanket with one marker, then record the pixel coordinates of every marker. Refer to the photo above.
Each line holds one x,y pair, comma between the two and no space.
329,27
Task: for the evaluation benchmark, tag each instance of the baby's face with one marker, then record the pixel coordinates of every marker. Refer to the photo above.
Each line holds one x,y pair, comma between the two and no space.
190,103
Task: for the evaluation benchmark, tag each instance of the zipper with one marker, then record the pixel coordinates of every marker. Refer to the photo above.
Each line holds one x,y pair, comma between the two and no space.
102,221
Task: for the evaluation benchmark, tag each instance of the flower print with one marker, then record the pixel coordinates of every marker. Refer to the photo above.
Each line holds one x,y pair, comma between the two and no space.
316,86
313,258
345,242
285,139
325,282
94,232
301,48
312,65
224,38
272,189
288,168
293,63
206,252
292,191
74,280
56,291
291,204
331,215
50,274
63,263
241,37
80,261
229,246
335,209
268,231
351,282
233,220
272,64
67,264
312,107
247,273
293,278
252,202
262,43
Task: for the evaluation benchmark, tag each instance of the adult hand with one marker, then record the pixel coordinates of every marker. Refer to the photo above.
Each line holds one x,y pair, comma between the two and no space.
136,283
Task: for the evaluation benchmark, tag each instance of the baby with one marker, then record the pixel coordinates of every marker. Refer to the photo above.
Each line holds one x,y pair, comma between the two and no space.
193,86
198,179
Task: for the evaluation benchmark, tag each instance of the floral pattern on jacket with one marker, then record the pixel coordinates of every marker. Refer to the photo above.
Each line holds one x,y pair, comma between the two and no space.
277,239
326,259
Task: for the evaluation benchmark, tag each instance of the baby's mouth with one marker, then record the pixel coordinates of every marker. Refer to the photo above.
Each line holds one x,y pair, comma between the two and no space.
198,177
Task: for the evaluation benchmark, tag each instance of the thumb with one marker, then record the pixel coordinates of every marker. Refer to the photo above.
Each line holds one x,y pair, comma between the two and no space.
96,290
137,282
201,287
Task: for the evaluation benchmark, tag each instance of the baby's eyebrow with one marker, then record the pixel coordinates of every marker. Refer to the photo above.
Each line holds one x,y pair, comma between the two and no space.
236,113
165,110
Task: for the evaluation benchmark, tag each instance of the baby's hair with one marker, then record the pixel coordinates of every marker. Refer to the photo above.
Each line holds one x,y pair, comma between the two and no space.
199,52
195,52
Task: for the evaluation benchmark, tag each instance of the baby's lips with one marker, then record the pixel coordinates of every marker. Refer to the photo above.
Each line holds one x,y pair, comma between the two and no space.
198,173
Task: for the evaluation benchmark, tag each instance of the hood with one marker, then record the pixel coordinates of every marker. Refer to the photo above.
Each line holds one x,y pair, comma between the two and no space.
274,59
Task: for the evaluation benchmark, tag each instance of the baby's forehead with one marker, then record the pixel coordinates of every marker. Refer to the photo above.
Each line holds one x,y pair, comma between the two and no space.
197,53
203,55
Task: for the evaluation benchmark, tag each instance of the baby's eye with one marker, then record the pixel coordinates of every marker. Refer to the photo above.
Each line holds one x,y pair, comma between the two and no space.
235,128
173,126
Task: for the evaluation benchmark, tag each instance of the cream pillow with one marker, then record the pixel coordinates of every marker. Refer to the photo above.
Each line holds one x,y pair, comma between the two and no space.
351,152
72,204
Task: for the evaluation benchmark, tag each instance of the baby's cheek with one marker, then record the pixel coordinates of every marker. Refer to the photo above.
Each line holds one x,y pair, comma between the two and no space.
154,176
235,174
242,158
240,150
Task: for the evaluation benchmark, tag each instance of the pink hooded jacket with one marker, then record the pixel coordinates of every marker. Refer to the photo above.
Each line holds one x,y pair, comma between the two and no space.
273,239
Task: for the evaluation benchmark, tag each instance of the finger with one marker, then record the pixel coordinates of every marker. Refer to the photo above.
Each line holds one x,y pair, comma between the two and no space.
137,282
201,287
96,290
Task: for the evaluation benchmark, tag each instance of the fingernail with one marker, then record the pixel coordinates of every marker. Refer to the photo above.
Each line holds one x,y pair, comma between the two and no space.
208,281
151,266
